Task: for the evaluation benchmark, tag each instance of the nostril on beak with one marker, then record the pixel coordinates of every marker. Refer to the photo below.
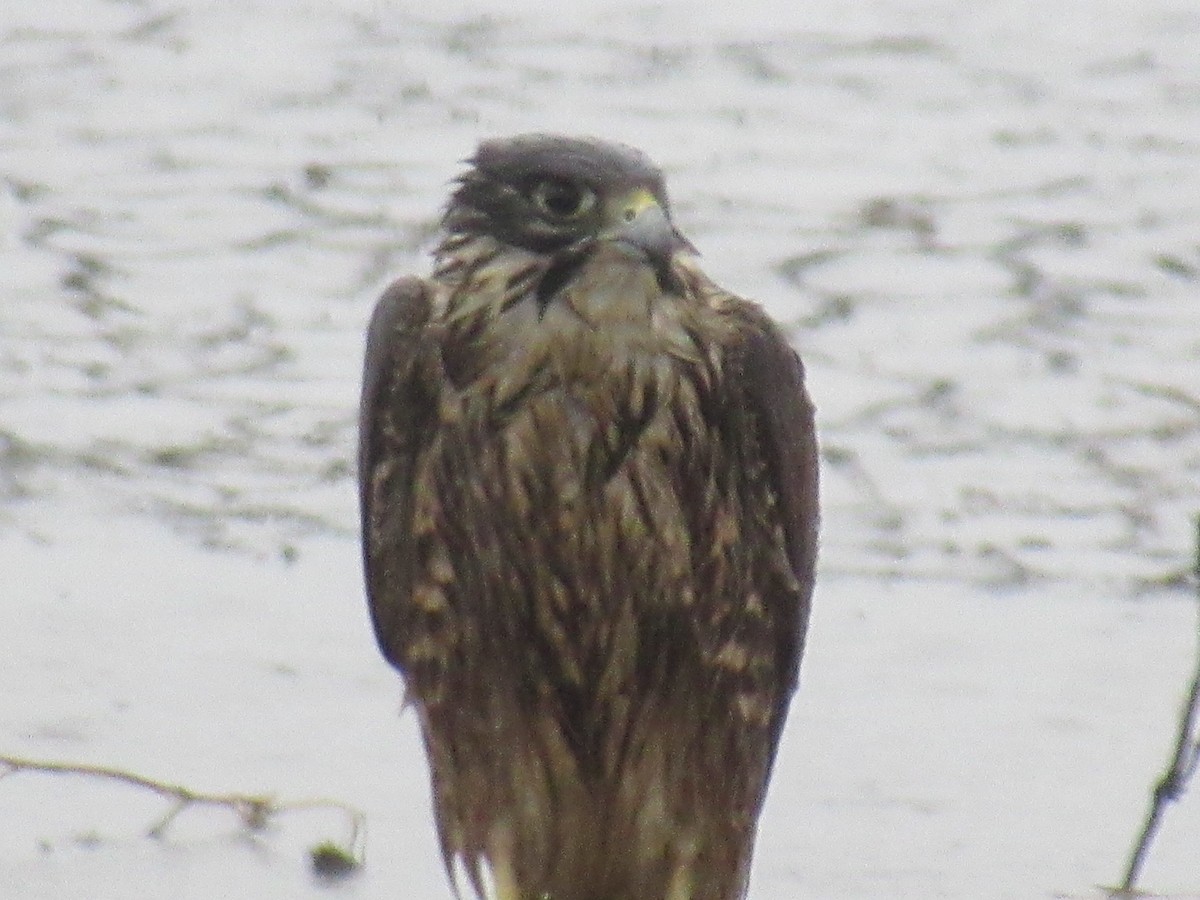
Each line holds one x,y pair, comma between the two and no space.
648,228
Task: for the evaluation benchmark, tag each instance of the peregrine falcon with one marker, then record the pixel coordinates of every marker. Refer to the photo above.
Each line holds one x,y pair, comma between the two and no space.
588,483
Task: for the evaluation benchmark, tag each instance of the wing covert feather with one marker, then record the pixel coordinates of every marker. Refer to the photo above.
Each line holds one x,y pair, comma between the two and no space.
779,402
396,416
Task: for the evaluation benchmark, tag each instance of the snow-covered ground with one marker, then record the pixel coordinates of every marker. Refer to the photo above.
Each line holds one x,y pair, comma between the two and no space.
982,222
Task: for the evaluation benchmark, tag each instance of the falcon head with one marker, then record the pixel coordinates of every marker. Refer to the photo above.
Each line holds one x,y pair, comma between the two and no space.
553,195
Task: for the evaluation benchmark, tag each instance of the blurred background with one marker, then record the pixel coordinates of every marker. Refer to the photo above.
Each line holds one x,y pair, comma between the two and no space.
979,224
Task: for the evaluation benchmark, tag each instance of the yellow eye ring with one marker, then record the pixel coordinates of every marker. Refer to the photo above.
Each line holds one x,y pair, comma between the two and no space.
562,198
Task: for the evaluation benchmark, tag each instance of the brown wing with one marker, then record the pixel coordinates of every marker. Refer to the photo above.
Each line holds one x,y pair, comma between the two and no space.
396,419
778,402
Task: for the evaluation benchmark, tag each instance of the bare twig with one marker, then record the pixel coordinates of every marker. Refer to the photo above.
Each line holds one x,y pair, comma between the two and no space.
253,810
1182,766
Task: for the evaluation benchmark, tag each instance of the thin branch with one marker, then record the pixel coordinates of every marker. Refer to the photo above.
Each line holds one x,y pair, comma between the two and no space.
181,795
253,810
1182,766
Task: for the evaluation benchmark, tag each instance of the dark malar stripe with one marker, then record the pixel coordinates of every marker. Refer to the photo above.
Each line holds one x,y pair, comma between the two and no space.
561,270
518,285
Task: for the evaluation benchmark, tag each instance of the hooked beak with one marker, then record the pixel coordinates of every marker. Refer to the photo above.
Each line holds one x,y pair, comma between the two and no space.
640,222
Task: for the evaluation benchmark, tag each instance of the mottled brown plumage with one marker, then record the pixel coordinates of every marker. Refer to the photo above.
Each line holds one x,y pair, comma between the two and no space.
589,507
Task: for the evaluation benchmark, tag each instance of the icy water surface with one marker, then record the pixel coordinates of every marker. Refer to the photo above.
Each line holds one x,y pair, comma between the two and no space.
980,222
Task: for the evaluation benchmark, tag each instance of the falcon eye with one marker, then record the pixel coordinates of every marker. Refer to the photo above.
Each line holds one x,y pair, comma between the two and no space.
563,199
